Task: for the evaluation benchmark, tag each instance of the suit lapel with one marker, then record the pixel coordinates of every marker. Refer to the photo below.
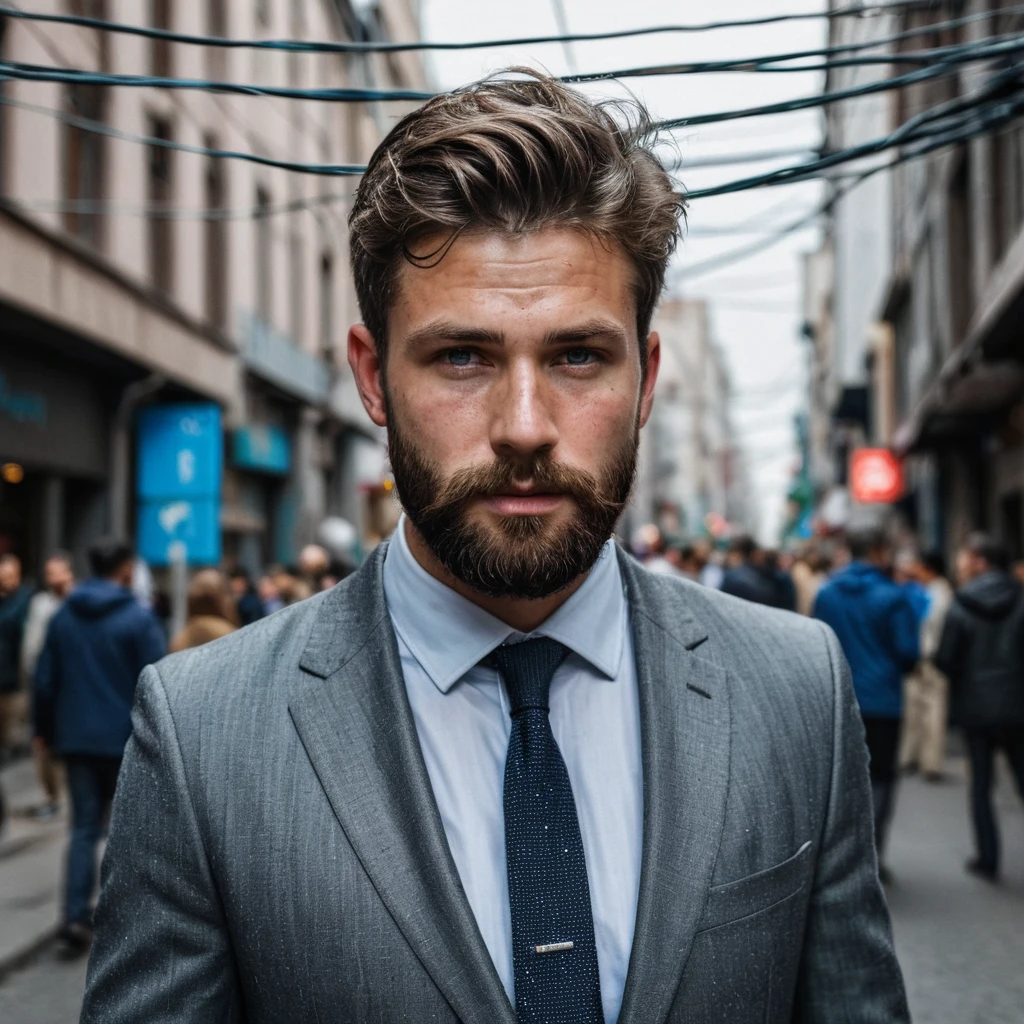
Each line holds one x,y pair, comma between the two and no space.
357,728
685,729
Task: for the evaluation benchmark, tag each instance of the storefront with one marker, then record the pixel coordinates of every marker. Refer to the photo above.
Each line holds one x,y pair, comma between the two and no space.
54,452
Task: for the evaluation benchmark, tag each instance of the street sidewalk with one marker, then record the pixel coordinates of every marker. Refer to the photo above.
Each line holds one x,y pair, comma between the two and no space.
31,869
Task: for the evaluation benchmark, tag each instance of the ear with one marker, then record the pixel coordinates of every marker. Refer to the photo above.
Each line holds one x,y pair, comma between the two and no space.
653,365
367,370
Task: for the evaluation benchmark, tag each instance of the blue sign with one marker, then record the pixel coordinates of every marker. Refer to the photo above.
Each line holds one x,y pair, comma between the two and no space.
263,448
194,523
180,456
180,451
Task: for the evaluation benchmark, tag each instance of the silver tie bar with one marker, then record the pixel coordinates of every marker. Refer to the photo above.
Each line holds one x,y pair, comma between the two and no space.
554,947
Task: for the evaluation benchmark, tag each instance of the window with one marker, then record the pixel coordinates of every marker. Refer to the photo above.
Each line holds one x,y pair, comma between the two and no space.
160,195
961,261
215,282
160,54
217,26
83,165
3,114
327,305
297,280
264,254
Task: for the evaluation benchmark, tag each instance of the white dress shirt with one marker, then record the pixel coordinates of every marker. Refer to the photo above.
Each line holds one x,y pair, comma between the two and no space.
462,719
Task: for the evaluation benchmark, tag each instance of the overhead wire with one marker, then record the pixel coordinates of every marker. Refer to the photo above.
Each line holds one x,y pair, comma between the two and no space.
936,63
381,46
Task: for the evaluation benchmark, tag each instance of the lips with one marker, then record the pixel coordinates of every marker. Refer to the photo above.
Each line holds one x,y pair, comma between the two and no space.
524,503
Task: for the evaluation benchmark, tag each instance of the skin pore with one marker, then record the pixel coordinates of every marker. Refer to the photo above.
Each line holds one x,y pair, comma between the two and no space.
512,347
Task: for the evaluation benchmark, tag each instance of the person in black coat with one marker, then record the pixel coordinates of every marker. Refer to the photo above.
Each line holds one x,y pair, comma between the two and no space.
96,647
982,653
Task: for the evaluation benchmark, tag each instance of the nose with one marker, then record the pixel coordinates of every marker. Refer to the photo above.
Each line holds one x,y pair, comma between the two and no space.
522,421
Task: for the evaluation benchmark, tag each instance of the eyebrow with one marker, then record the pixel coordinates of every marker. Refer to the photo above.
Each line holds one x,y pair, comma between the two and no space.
449,330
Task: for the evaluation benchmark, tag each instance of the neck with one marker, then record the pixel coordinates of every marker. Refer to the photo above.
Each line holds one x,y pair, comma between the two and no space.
522,614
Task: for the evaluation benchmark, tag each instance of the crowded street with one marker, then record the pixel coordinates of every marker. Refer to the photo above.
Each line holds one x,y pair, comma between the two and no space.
957,938
512,513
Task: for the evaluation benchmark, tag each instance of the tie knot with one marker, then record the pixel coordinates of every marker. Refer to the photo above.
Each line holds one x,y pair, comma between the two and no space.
528,668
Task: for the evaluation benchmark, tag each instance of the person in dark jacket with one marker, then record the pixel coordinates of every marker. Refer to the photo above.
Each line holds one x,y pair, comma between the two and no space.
247,600
878,632
755,576
96,647
14,601
982,654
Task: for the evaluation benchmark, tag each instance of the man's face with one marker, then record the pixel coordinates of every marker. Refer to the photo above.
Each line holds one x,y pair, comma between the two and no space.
513,403
969,565
10,577
58,576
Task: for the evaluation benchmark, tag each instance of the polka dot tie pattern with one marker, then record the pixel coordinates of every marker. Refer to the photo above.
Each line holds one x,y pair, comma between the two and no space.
554,955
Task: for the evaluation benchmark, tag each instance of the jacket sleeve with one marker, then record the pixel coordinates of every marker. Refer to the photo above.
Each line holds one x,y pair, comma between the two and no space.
161,951
44,690
906,633
849,972
950,655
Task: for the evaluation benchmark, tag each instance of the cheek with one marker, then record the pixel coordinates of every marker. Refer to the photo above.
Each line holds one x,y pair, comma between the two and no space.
593,425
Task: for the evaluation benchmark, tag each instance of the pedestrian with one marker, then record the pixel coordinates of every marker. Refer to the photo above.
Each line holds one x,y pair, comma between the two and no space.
502,772
269,595
97,644
314,562
878,632
15,595
809,573
752,576
982,654
209,610
58,580
926,689
247,599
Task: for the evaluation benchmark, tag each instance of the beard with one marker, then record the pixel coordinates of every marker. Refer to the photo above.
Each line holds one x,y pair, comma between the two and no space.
518,556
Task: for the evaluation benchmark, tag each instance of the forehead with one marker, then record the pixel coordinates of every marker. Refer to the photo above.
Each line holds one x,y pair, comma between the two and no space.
543,275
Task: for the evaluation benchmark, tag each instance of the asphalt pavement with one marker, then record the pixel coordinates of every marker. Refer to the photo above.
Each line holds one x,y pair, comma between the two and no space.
961,941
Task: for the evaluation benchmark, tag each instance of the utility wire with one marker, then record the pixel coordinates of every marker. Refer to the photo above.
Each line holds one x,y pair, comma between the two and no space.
303,46
937,63
983,51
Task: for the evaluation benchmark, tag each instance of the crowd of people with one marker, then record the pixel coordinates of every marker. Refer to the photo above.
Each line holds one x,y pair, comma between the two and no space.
923,655
70,655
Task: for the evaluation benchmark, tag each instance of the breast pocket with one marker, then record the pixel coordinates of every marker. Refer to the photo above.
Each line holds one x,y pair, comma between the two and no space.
745,897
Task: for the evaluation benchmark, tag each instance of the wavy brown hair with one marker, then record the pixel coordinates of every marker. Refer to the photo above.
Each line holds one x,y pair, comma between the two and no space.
512,154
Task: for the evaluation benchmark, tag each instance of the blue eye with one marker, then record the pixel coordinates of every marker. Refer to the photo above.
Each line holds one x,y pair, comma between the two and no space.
458,356
578,356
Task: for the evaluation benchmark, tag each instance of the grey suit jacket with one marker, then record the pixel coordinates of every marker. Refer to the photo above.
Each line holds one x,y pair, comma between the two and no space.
276,853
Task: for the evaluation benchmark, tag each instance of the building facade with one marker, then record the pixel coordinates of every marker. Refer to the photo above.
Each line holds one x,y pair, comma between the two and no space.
942,329
133,273
691,474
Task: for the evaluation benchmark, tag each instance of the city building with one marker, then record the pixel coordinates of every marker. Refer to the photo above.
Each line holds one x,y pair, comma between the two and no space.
133,273
941,321
691,475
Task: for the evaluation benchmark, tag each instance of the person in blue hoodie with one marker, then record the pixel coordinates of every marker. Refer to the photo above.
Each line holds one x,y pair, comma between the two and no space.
878,630
96,646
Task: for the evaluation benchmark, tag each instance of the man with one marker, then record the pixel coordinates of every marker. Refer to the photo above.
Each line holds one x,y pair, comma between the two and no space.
313,564
926,689
14,598
982,653
751,575
502,773
58,579
15,595
96,646
878,632
247,600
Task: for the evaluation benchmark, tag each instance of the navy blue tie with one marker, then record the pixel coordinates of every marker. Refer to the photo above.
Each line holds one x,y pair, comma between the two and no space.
554,955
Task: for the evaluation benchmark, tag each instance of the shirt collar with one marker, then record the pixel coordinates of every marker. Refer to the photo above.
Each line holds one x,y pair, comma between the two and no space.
448,634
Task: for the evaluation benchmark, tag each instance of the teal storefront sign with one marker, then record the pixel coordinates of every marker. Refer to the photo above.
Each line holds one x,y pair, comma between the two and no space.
263,448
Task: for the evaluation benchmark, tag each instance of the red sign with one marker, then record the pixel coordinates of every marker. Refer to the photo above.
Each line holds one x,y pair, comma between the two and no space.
876,476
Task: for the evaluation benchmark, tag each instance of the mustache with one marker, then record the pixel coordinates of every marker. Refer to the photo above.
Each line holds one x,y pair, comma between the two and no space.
543,472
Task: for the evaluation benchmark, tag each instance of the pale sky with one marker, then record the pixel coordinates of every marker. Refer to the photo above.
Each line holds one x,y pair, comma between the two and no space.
755,302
